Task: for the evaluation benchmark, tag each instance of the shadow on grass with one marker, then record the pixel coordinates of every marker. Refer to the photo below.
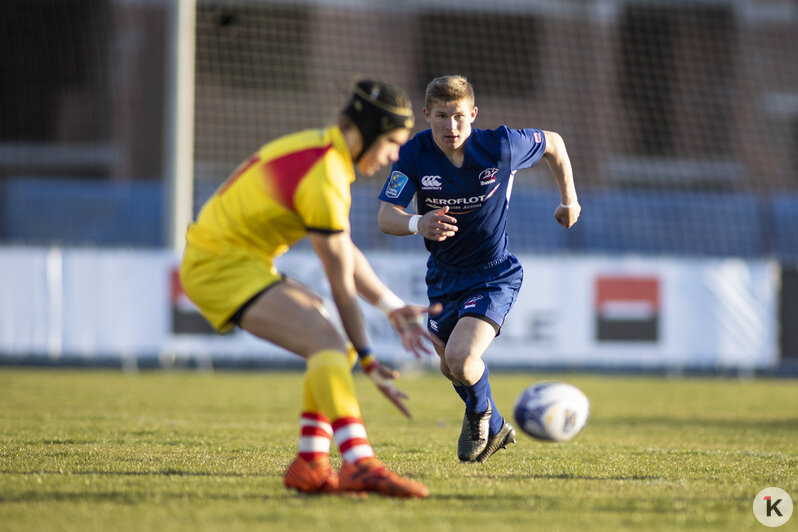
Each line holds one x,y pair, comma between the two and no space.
126,497
161,473
130,498
568,476
701,422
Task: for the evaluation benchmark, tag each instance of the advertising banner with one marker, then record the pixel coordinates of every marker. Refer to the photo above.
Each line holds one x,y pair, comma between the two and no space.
572,311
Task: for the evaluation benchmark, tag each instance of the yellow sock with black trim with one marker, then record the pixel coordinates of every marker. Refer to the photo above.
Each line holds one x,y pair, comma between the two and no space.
331,386
351,354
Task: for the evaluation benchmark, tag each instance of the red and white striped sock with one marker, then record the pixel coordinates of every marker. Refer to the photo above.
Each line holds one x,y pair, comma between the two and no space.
315,435
350,435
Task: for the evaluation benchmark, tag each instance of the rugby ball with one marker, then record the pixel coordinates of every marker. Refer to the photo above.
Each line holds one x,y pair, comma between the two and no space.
552,411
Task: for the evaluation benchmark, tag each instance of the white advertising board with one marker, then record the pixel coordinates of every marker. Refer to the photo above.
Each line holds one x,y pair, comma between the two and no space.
572,310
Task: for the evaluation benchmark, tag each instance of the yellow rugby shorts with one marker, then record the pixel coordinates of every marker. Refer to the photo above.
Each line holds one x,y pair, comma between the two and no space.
220,283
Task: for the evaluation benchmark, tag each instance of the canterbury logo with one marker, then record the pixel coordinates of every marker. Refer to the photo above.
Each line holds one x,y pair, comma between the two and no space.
431,181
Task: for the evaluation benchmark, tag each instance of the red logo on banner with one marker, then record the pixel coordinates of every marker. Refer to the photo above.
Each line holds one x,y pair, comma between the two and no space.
627,308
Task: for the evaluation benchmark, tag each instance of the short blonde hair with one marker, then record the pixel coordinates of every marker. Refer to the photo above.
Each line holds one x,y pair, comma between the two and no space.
445,89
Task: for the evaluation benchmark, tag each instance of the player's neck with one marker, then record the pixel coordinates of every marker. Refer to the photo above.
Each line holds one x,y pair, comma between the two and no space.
455,156
353,141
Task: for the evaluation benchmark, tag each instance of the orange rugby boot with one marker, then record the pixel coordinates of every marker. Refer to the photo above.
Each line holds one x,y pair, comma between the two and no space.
316,476
371,475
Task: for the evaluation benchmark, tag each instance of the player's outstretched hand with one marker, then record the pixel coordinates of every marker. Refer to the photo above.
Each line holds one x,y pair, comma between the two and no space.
382,377
409,323
567,216
437,225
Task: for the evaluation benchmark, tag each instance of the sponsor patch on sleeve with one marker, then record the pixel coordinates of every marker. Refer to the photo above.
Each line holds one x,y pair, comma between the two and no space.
396,183
538,138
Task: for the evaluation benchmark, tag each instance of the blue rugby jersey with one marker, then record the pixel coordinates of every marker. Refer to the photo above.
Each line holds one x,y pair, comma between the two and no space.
478,194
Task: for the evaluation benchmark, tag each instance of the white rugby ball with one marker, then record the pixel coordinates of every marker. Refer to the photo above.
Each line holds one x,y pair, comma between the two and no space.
552,411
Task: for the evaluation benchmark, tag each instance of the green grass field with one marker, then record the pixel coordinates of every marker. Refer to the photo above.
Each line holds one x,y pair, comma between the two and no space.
103,450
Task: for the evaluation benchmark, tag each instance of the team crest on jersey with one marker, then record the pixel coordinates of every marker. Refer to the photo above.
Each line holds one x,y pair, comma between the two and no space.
488,176
431,182
396,184
471,302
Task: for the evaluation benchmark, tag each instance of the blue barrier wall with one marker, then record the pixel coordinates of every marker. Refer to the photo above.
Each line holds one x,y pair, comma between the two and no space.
680,223
81,212
106,213
784,229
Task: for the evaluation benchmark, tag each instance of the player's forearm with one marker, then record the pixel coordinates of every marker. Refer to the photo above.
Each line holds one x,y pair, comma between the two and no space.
565,183
338,257
351,318
560,165
343,289
393,220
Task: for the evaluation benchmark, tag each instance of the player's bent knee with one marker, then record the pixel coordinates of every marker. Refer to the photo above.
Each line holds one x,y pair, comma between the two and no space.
455,370
446,372
466,369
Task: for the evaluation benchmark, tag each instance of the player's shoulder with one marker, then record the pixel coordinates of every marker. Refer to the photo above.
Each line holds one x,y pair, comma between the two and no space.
299,141
504,131
418,143
512,136
498,134
488,138
415,151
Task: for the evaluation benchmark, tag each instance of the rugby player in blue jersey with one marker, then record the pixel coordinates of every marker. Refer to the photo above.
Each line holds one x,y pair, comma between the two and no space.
462,178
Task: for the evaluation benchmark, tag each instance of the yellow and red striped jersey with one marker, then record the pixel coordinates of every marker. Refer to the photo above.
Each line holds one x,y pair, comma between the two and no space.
293,184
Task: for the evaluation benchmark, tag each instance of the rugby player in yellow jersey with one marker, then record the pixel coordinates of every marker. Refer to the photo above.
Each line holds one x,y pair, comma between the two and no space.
293,187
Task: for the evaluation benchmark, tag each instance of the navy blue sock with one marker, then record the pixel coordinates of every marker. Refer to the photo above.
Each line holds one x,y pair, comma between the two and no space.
496,419
477,398
461,391
477,395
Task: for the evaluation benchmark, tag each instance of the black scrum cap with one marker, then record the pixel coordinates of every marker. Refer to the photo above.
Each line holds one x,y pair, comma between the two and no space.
376,108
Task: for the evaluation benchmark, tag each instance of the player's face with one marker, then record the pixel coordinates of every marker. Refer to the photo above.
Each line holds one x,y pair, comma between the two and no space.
450,123
383,152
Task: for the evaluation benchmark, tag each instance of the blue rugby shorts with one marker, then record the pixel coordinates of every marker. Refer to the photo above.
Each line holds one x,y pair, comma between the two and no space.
488,291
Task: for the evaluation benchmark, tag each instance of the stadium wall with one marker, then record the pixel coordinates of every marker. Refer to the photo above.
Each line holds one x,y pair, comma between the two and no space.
127,308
